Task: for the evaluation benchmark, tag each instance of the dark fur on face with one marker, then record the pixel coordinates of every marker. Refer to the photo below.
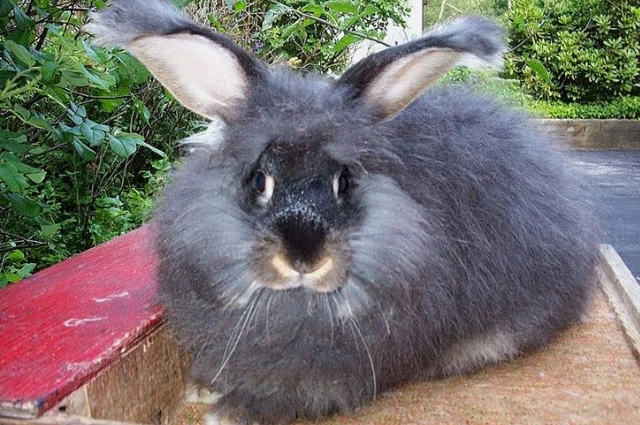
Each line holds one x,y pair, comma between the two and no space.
322,253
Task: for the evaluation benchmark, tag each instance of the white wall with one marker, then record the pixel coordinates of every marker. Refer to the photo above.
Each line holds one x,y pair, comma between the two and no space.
395,34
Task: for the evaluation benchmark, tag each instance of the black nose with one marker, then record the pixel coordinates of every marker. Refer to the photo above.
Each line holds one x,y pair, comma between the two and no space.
303,237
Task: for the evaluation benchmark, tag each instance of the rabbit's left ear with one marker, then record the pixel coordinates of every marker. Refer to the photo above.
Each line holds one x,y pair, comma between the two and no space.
388,81
205,71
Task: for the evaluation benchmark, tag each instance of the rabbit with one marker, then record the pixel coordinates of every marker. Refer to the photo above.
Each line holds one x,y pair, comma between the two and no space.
343,237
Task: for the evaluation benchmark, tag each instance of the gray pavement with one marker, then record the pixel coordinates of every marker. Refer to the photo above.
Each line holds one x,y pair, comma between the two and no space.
615,176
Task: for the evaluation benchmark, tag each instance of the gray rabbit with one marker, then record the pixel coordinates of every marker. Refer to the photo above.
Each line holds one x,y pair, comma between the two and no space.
343,238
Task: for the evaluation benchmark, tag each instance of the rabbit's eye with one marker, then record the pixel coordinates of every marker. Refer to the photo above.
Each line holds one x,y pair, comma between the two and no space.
260,181
341,183
263,184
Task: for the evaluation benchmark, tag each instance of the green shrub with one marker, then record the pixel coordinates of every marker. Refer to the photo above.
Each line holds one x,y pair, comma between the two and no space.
575,50
625,107
307,34
436,12
79,127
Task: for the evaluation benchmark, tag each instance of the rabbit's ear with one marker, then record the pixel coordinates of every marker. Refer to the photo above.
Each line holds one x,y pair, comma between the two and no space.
205,71
390,80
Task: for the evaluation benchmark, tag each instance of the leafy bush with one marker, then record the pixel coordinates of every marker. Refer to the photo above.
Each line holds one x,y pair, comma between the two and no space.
625,107
575,50
308,34
79,126
436,12
86,135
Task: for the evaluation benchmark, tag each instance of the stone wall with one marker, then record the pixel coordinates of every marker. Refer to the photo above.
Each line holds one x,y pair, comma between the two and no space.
594,134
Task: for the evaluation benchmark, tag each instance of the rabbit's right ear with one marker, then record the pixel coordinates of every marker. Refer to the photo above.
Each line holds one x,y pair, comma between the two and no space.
388,81
205,71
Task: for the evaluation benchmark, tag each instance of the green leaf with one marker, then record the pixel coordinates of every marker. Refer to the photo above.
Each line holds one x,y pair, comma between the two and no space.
273,14
13,146
73,79
314,9
26,270
23,22
345,42
37,177
370,10
342,7
100,80
12,277
20,110
17,164
14,180
87,132
93,54
5,8
16,255
81,111
83,150
49,229
41,123
20,52
25,206
239,6
13,142
290,29
142,110
123,144
48,71
151,148
538,68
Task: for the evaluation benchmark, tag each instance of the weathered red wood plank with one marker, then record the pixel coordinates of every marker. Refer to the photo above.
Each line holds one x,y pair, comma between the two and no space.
64,324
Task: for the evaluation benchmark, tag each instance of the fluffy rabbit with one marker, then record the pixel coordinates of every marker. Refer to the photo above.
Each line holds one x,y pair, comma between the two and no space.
343,238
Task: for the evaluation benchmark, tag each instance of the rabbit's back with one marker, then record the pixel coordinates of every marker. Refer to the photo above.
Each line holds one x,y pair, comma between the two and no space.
517,229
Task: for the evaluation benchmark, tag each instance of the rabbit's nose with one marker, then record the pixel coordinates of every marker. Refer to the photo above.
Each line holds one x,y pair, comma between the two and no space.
303,241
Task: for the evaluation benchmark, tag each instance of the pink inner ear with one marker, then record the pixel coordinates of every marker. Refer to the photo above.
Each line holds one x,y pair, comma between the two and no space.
203,76
405,79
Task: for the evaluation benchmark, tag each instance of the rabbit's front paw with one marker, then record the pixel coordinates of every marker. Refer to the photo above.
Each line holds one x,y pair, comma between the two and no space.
200,395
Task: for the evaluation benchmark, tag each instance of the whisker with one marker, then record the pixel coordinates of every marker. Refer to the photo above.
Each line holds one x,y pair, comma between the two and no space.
235,345
271,295
331,324
371,363
356,327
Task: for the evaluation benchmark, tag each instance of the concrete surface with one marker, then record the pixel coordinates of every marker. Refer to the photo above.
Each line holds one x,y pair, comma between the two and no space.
615,177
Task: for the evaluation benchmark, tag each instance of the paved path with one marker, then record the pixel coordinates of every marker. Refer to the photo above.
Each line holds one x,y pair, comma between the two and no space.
616,179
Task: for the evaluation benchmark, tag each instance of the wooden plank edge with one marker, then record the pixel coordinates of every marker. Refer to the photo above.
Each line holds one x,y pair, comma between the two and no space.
623,293
21,409
145,386
61,419
33,409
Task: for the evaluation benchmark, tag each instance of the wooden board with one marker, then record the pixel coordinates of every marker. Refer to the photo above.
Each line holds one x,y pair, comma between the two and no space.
623,293
63,325
147,386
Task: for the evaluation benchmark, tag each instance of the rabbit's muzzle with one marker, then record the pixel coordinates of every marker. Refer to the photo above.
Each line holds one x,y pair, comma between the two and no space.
302,254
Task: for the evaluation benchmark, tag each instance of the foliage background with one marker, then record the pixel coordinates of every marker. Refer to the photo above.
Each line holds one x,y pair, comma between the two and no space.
87,137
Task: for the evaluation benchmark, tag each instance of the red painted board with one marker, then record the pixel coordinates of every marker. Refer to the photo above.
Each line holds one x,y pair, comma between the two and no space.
62,325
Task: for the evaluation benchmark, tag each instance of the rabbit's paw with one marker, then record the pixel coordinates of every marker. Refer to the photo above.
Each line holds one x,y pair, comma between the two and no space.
200,395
